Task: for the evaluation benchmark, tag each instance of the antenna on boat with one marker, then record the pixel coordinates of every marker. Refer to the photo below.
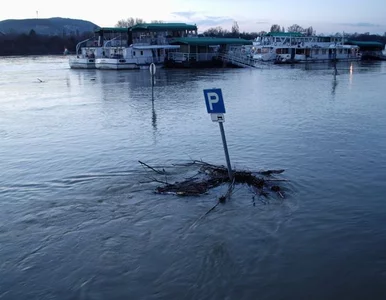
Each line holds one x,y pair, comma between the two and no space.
37,14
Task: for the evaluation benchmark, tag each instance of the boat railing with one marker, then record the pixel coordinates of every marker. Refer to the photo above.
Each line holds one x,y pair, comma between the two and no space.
180,56
78,46
151,41
239,59
115,42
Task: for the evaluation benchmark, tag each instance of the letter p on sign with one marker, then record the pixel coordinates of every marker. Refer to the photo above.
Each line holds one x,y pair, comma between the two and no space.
214,101
213,98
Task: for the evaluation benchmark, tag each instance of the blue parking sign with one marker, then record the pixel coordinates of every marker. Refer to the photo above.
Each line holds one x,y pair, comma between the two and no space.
214,101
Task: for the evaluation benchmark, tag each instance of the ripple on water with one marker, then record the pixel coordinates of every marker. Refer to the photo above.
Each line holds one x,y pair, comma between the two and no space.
79,217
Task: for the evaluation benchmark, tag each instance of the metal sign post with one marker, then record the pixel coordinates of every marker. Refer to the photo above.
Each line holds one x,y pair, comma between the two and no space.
216,108
152,70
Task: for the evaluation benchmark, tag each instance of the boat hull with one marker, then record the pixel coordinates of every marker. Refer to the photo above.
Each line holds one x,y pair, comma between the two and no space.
82,63
115,64
305,61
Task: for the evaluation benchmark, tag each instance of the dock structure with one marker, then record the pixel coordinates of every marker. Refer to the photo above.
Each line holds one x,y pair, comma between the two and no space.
239,60
209,52
369,49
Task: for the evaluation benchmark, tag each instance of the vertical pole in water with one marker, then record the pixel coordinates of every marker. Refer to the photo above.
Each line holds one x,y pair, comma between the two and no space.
152,87
152,70
224,143
216,108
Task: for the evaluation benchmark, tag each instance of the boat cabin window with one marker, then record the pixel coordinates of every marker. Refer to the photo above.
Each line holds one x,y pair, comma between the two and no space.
316,51
282,51
324,51
141,52
133,53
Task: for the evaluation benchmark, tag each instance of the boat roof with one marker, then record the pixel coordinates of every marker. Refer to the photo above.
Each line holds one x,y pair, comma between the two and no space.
163,26
210,41
112,30
366,44
285,34
156,47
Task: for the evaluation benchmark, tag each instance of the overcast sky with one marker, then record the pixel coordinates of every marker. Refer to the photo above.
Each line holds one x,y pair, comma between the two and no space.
327,16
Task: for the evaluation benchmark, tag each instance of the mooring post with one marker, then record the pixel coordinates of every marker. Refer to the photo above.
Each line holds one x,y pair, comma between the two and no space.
224,143
152,70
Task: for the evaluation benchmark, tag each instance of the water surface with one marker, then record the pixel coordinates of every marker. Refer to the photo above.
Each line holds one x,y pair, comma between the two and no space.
79,219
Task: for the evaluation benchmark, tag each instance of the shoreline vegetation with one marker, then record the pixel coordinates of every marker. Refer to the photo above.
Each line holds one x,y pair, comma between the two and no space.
38,44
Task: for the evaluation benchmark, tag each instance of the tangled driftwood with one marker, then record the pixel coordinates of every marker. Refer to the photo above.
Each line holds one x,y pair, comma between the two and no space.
210,176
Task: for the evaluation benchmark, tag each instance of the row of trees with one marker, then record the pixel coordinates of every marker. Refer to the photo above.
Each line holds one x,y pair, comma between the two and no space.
233,33
129,22
293,28
35,44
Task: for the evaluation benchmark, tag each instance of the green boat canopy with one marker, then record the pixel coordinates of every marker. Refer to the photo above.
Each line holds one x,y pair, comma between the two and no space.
112,30
284,34
364,45
209,41
163,27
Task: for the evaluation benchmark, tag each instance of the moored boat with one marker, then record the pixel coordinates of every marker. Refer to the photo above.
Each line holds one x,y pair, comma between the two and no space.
131,48
293,47
85,56
134,57
89,50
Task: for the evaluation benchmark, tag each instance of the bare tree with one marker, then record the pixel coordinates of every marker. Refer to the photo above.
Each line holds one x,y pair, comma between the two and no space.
216,32
295,28
139,21
129,22
275,28
235,29
125,23
309,31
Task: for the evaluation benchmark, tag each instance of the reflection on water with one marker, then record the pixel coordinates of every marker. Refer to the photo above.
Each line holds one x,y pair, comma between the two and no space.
153,117
351,75
79,219
334,85
334,82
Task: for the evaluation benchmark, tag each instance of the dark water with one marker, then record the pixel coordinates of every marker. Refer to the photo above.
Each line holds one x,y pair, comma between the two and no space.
79,220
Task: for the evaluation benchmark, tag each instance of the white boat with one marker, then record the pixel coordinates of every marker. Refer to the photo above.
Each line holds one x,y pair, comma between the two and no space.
133,57
89,50
148,43
85,56
288,47
130,48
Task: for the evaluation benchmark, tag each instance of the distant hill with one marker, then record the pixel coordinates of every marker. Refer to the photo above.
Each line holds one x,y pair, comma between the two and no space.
52,26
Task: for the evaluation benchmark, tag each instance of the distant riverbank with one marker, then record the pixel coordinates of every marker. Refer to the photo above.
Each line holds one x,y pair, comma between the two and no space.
34,44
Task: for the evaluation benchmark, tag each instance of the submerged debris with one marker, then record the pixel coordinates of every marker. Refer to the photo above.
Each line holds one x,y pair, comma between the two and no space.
210,176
